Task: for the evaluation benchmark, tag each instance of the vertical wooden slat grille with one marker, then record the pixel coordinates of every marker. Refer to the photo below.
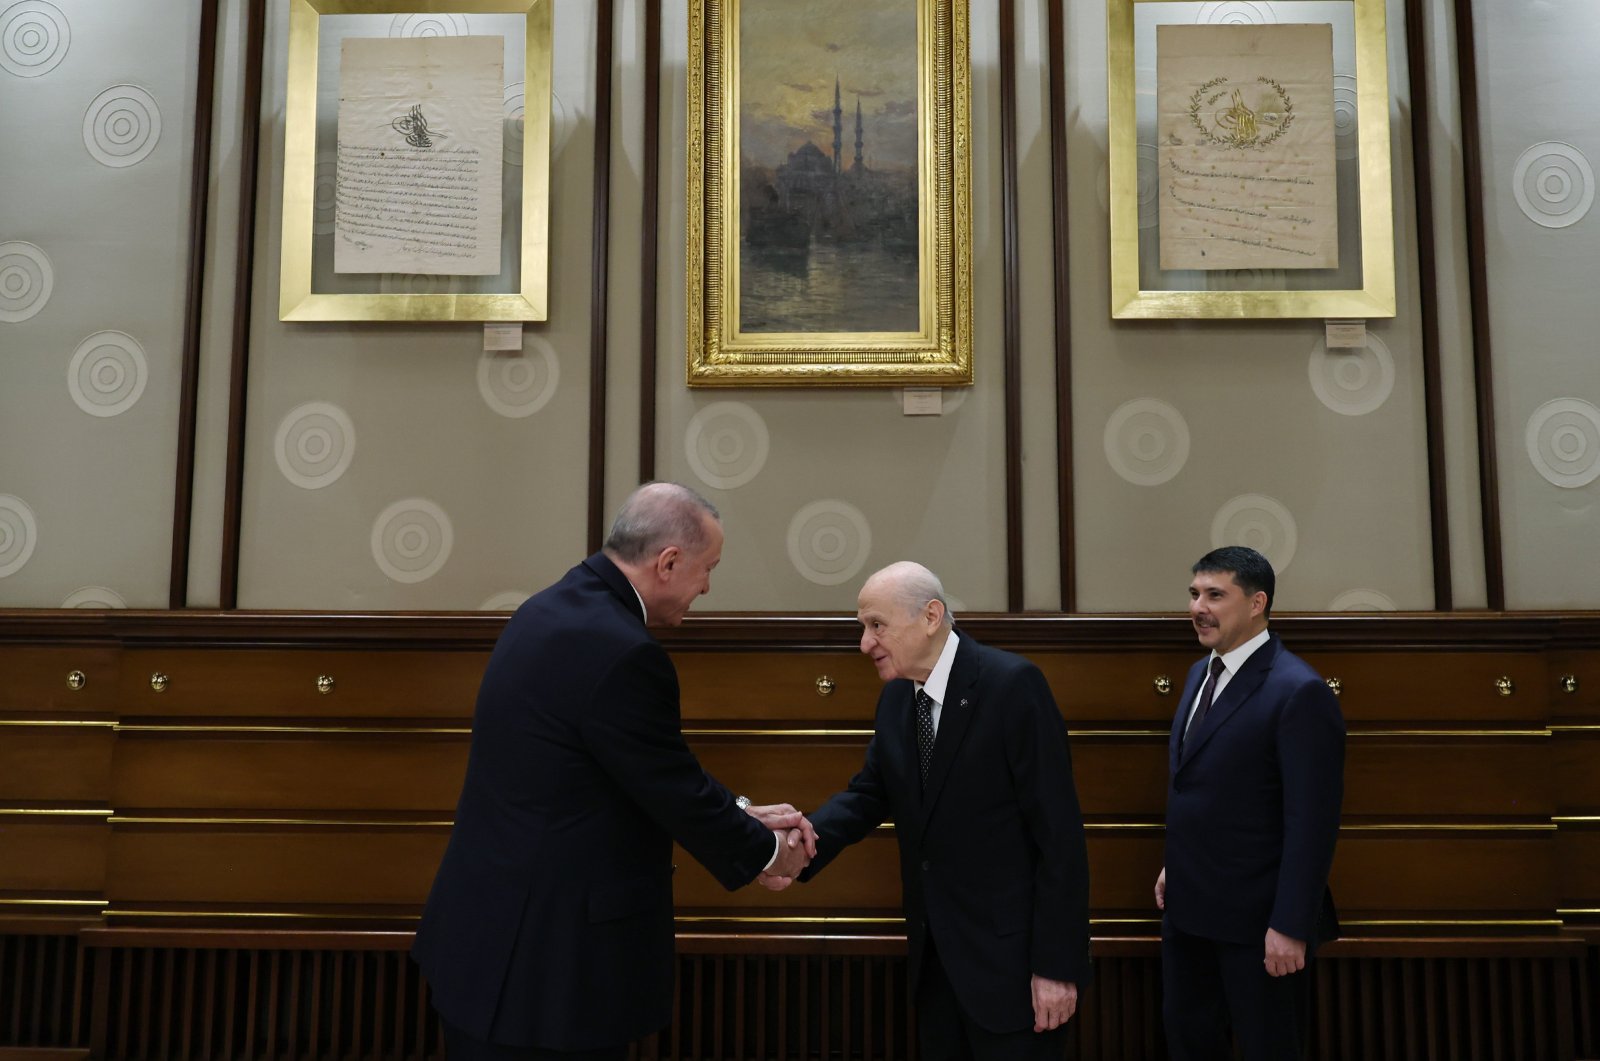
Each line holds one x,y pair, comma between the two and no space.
41,991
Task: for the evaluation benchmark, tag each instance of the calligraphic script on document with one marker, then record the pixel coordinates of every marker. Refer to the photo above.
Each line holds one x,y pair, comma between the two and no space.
420,130
1246,147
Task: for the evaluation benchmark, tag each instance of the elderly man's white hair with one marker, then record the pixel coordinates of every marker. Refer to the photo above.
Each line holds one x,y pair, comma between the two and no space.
913,586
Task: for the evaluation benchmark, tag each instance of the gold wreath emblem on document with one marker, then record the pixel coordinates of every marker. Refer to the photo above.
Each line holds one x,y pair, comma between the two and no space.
1224,116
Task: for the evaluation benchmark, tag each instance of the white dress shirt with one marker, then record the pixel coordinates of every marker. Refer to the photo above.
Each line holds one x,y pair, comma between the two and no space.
1231,662
939,678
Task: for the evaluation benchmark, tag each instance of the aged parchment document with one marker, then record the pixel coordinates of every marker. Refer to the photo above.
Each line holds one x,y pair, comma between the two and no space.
1246,147
420,129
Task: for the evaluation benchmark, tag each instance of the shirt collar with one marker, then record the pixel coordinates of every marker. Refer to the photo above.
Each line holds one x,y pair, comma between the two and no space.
1232,661
644,613
939,678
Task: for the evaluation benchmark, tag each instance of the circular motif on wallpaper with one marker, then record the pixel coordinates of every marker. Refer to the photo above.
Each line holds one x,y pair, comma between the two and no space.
122,125
1352,382
19,533
107,373
324,197
1236,13
94,597
515,110
1346,112
509,601
1260,522
829,541
1554,184
314,444
727,444
519,383
411,540
26,280
34,37
1147,441
429,26
1362,600
1564,442
417,284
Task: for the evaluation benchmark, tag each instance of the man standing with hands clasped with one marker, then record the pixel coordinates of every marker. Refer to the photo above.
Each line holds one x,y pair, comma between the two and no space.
969,757
1256,762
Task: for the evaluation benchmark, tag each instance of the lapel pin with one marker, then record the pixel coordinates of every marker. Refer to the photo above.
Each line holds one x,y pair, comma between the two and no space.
963,703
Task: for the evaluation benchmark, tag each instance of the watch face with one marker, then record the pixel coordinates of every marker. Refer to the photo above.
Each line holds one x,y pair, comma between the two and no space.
742,802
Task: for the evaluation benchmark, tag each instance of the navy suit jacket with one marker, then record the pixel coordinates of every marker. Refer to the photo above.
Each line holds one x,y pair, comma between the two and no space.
550,920
1253,803
993,865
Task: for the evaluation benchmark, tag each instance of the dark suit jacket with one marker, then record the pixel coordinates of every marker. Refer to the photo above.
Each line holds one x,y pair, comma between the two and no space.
993,865
1253,804
550,919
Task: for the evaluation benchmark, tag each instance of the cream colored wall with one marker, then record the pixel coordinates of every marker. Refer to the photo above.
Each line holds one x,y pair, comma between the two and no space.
514,488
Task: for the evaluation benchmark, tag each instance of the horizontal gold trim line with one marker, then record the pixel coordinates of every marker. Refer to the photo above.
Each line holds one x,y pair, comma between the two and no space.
52,902
1576,728
1449,922
120,819
1460,827
385,730
788,920
777,733
1586,819
1584,911
1107,826
1449,733
262,915
95,723
65,812
1078,734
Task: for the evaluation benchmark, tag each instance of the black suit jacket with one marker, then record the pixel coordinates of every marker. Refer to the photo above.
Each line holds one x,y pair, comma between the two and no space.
1253,804
993,865
550,920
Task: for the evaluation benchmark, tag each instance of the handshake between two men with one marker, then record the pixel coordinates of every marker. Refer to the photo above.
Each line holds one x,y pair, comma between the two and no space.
797,843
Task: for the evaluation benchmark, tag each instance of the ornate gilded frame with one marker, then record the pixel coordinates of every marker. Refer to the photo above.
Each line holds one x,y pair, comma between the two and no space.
296,299
939,352
1376,296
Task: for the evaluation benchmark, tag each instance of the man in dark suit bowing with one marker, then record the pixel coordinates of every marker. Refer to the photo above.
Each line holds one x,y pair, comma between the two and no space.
969,757
549,932
1257,776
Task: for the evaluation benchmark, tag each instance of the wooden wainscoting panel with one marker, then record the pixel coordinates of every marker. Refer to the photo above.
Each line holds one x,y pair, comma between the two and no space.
36,679
282,683
1575,770
326,773
278,864
1451,689
1118,686
1411,779
1582,704
1578,856
52,855
55,764
1445,873
774,686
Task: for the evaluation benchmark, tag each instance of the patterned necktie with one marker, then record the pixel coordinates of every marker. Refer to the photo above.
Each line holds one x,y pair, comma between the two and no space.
924,732
1206,696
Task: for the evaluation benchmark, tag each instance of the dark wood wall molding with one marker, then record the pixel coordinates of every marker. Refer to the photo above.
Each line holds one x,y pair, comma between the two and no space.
650,242
1012,283
1066,513
193,306
1478,284
600,236
243,282
1427,292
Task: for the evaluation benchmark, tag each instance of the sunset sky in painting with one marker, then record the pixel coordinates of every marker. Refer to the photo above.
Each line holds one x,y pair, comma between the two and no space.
791,53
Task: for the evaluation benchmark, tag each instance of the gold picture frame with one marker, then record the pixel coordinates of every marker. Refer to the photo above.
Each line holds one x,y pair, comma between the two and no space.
920,331
1372,297
526,296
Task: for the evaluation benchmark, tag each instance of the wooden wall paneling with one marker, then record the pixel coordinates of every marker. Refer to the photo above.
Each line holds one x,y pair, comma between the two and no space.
193,306
1055,27
52,854
281,684
41,1009
1421,117
1578,855
371,867
320,773
57,765
777,687
1427,874
36,680
650,241
1412,779
600,266
1444,689
1011,282
244,283
1478,286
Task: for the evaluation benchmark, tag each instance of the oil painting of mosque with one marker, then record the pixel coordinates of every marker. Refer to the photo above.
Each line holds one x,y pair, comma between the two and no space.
828,146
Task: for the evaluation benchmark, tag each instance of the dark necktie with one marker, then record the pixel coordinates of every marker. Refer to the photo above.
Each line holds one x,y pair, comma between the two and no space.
924,732
1206,696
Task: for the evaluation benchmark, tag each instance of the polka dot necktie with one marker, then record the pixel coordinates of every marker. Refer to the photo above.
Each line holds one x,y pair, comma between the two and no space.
924,732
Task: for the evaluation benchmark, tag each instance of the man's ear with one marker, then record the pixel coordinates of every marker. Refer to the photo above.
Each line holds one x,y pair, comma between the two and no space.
933,612
1258,602
666,559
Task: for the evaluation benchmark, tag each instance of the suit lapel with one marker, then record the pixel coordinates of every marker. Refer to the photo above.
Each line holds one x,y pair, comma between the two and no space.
1191,689
1240,688
955,714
